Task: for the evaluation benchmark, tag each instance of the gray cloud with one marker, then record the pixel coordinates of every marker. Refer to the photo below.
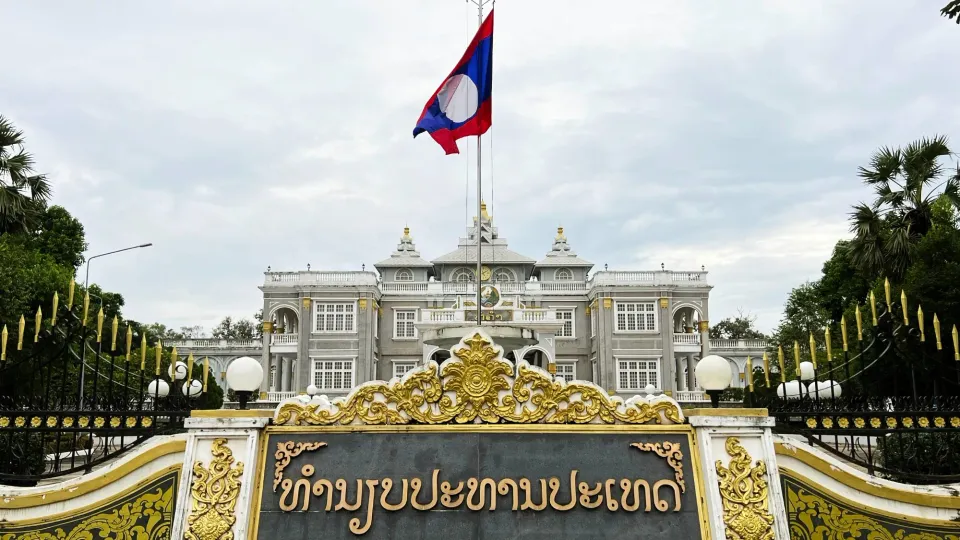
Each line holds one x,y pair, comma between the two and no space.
236,135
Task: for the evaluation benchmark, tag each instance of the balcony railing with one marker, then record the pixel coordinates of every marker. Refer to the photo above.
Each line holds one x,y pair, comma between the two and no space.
691,396
454,315
280,396
740,344
284,339
328,278
215,343
686,339
650,277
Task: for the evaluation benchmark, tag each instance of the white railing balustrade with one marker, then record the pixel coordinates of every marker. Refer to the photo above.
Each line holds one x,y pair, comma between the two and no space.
214,343
330,278
648,277
738,344
691,396
284,339
280,396
686,339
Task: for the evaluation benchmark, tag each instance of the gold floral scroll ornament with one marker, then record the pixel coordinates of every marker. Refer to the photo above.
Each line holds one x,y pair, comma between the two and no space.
287,451
215,492
672,453
744,492
477,385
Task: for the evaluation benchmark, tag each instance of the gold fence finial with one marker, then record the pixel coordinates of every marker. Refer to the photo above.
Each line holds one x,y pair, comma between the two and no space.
3,343
873,307
956,344
766,368
886,294
129,341
920,323
174,358
750,373
38,322
70,288
159,349
113,333
23,326
826,339
796,356
813,350
99,324
53,315
936,331
86,309
783,365
843,331
206,372
903,306
143,351
859,318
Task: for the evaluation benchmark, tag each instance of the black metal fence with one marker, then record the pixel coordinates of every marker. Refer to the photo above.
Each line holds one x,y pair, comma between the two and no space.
888,400
72,396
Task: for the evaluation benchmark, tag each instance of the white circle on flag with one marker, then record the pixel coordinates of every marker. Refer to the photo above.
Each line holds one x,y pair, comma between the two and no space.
458,98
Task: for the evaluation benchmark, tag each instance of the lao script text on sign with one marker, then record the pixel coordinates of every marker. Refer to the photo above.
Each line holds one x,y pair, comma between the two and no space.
477,482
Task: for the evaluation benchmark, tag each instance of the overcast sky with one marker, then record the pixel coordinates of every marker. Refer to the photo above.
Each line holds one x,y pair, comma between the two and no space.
236,135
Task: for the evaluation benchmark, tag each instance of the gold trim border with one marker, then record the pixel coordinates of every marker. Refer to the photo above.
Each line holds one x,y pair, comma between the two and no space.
107,501
61,493
698,478
868,510
849,480
233,413
726,411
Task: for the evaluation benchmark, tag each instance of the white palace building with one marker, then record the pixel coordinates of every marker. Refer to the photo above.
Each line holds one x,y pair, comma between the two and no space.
624,330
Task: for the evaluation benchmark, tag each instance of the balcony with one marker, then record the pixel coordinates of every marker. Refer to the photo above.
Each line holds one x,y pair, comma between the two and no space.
215,343
691,343
515,328
653,278
324,278
686,343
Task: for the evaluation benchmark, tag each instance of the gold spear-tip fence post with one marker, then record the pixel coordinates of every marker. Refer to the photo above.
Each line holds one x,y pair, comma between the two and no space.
936,331
53,315
22,327
37,324
903,307
920,323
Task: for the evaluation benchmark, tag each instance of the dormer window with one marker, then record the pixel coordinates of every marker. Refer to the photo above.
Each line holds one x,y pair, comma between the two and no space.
404,274
463,275
563,274
503,274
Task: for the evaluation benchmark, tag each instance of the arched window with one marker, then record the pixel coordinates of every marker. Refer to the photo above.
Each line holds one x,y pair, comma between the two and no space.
504,274
463,275
563,274
404,274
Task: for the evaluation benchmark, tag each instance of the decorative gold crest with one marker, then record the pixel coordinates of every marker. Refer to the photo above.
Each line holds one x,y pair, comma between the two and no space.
672,453
215,492
287,451
744,491
478,385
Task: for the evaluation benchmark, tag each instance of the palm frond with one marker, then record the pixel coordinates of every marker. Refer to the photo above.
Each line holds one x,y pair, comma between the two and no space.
952,11
884,166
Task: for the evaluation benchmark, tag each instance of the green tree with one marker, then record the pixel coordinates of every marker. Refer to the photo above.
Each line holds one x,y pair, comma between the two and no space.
739,327
952,11
230,329
61,236
907,182
28,279
23,194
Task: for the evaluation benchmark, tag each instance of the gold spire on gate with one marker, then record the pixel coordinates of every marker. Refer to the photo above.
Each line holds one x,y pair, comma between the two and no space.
38,322
53,314
22,327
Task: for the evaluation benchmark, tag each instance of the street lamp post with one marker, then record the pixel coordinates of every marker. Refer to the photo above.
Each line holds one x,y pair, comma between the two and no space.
86,285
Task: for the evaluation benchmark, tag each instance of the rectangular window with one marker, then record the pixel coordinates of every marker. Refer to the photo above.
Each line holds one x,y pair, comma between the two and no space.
333,375
566,370
566,315
401,367
635,374
335,318
403,324
636,317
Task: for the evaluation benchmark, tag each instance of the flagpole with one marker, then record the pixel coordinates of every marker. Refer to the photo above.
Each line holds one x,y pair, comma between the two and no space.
479,4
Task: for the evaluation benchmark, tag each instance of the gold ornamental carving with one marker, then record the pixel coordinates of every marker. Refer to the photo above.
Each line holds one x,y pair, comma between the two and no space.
287,451
745,495
672,453
478,386
214,493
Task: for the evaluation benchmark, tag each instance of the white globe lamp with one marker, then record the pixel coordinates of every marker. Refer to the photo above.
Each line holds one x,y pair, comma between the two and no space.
158,388
789,390
193,388
807,372
827,389
713,373
244,376
178,371
312,390
650,389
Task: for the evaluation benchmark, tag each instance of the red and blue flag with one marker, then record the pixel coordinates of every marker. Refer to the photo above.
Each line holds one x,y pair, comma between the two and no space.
461,107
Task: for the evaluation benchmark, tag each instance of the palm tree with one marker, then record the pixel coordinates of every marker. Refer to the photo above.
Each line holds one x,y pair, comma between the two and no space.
952,10
23,195
907,182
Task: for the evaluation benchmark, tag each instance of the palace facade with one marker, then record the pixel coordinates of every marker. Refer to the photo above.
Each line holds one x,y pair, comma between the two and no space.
627,331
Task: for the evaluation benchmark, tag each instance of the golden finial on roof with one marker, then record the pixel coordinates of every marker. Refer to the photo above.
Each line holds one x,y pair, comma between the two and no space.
483,210
559,233
406,231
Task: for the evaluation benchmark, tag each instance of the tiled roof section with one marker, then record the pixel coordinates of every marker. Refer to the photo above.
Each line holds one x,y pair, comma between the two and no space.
561,254
406,255
492,254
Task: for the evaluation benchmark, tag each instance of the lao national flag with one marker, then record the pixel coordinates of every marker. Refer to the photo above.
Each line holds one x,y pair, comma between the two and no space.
461,107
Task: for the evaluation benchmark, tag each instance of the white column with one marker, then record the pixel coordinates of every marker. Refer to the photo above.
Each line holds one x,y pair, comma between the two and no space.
714,428
691,375
265,358
240,435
